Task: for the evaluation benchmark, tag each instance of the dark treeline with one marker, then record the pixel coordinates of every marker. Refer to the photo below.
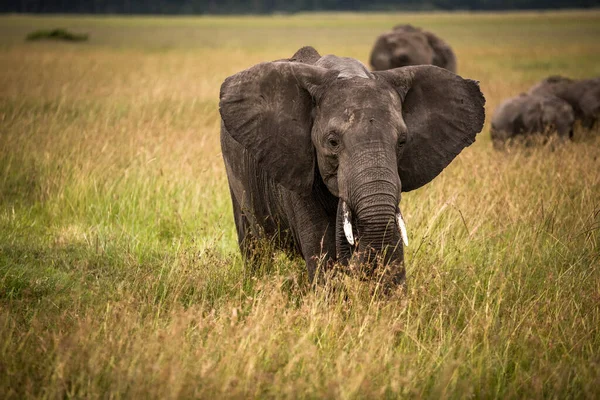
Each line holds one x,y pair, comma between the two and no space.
271,6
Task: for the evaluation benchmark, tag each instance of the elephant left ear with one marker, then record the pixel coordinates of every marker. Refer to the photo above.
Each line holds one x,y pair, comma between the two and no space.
442,112
267,108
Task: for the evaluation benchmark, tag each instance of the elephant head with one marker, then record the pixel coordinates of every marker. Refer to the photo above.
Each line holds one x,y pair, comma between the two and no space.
406,45
366,136
531,113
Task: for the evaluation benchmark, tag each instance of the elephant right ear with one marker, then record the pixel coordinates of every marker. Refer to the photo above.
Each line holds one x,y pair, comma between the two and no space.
267,109
442,111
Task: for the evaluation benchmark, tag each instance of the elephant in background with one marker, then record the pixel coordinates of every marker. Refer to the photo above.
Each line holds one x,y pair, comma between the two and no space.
407,45
583,95
528,114
318,151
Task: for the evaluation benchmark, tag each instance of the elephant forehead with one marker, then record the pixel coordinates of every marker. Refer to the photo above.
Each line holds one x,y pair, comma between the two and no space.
357,100
407,39
365,120
356,91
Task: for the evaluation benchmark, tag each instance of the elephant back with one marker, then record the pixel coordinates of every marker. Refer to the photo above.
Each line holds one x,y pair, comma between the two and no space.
444,55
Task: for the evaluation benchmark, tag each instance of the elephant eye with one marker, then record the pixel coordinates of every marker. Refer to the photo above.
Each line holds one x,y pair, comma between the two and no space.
333,141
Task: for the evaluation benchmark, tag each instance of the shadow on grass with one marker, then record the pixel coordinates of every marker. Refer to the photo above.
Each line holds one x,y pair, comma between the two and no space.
57,34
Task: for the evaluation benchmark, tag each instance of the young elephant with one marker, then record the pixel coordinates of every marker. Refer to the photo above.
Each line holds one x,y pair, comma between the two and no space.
528,114
406,45
583,95
318,152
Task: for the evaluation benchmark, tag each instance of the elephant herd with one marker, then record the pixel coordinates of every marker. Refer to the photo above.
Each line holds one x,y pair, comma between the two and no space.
553,105
319,149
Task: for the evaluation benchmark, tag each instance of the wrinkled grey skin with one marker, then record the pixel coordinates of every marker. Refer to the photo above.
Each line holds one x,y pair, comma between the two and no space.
301,136
583,95
406,45
530,113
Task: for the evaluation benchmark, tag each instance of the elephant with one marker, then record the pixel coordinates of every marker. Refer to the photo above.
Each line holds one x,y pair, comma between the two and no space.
530,113
317,151
406,45
583,95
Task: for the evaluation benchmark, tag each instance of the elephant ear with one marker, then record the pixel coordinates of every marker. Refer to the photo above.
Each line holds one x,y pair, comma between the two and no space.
442,112
380,54
267,109
443,55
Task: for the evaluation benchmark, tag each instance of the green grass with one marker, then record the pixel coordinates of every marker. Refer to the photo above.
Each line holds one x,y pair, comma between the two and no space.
119,270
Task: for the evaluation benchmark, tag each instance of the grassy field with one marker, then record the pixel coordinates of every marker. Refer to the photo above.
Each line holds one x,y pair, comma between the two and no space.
119,270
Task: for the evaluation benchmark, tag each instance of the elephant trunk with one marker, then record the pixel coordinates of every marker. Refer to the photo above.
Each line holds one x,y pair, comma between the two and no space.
375,217
373,204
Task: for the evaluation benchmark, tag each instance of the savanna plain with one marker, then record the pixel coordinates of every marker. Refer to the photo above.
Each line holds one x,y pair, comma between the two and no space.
120,275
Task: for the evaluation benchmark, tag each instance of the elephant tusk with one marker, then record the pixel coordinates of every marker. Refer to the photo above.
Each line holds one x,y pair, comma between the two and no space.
347,223
402,227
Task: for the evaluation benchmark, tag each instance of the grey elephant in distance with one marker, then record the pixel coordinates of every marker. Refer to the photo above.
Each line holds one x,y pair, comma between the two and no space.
583,95
318,150
529,114
407,45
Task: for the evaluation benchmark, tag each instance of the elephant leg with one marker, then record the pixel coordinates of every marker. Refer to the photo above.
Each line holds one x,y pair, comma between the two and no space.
246,239
314,230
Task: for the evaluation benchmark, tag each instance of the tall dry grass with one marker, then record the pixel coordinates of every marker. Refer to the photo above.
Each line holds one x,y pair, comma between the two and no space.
119,272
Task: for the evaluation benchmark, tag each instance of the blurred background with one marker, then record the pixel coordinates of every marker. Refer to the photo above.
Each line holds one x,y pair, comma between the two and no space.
275,6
